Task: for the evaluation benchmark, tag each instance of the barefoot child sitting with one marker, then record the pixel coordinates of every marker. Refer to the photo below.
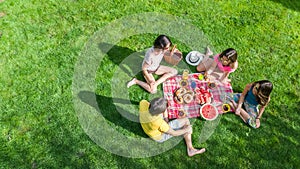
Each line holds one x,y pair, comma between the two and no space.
153,124
225,62
254,95
151,64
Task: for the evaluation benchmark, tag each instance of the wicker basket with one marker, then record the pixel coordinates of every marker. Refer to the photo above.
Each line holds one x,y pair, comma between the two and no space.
174,59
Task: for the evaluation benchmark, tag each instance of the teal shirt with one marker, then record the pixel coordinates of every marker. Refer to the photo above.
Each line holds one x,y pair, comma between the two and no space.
250,97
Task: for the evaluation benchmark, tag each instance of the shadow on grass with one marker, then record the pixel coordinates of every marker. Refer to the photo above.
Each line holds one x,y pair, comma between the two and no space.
118,54
131,61
111,112
282,133
291,4
174,158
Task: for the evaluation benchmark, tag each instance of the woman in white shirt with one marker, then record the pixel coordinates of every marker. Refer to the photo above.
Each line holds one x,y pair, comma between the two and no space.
151,64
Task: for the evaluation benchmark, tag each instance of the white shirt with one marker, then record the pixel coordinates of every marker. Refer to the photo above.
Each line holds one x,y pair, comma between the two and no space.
152,59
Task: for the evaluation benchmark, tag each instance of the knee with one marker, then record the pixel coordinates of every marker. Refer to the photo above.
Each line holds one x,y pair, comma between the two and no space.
198,68
153,91
174,72
186,121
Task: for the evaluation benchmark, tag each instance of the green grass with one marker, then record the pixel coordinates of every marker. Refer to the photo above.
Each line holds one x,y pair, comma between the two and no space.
42,41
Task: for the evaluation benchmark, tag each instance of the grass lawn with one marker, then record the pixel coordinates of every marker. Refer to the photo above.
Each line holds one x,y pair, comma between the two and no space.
55,82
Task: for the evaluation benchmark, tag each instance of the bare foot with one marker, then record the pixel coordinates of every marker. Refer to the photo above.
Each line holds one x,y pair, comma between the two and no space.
131,82
153,88
193,151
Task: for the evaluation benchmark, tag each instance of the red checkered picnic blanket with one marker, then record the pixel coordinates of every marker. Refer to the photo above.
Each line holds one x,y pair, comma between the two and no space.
193,109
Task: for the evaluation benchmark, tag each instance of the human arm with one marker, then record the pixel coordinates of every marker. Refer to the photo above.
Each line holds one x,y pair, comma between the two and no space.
242,98
207,74
260,112
184,130
211,68
173,50
224,77
146,74
165,115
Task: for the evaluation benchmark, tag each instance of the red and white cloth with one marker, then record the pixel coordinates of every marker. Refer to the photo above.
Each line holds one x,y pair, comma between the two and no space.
192,109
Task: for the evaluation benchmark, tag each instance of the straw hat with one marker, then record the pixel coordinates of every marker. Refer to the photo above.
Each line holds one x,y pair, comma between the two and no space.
194,58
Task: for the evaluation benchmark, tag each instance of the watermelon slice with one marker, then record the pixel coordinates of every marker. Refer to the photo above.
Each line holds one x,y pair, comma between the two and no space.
209,112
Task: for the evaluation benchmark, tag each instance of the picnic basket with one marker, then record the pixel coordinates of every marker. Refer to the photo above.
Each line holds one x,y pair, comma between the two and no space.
173,59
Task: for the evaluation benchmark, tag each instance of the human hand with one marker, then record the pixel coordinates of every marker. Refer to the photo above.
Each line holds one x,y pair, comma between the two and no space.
207,77
166,119
225,81
257,123
151,81
173,50
152,84
188,129
238,111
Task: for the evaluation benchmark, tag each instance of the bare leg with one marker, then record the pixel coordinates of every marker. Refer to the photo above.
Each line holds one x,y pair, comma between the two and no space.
224,77
152,83
233,104
144,85
188,139
166,73
208,51
244,115
163,78
131,82
190,149
204,64
150,78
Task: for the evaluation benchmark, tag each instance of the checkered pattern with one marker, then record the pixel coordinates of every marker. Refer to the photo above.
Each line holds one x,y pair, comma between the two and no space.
192,109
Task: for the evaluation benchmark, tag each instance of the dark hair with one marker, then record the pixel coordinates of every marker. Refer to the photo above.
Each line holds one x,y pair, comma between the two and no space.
264,90
157,106
230,53
161,42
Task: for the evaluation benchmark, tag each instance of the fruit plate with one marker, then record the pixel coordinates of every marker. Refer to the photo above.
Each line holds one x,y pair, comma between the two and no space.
209,112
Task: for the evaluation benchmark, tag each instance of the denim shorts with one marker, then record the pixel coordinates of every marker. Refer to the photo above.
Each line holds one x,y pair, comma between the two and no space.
251,109
175,125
